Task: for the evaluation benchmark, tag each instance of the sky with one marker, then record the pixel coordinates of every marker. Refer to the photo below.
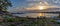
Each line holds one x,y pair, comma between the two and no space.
18,5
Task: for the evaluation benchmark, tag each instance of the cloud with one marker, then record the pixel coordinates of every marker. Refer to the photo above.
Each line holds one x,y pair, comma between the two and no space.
33,3
46,2
32,0
37,2
30,4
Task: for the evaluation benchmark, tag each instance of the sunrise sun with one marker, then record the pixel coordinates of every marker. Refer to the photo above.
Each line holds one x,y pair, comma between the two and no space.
41,7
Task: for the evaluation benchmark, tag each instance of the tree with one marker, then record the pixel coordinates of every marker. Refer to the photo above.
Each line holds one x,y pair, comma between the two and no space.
4,4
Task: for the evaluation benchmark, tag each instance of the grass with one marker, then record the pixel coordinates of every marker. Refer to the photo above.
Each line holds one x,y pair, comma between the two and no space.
26,21
55,22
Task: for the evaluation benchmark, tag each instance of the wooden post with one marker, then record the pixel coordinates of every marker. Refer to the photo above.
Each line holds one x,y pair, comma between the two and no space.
59,15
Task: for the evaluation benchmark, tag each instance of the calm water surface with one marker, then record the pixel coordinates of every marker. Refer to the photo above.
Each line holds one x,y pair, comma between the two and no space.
37,14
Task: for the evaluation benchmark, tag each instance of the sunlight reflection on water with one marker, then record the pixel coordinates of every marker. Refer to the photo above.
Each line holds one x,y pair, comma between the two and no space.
36,14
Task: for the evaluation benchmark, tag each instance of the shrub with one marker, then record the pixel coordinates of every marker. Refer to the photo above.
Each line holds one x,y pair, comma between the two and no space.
12,19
